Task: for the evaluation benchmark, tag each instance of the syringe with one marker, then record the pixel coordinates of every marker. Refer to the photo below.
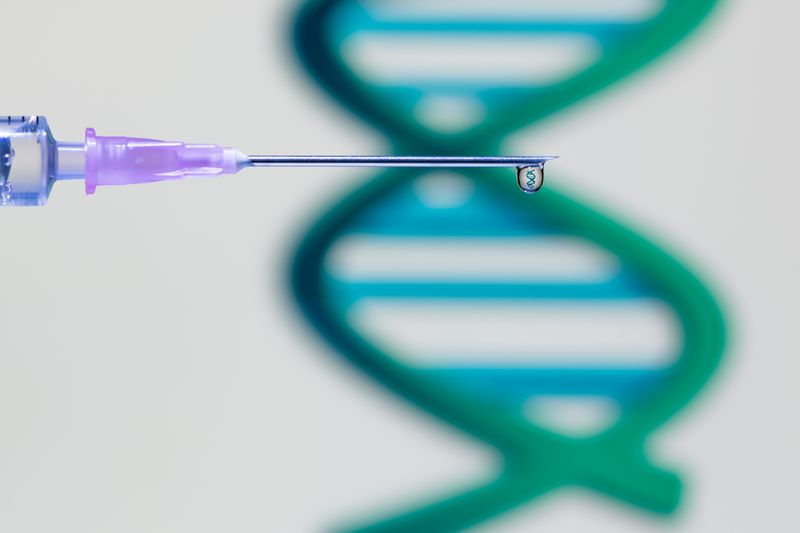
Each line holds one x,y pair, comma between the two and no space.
31,161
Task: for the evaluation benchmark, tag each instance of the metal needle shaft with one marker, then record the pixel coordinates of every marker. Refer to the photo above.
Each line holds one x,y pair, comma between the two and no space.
395,161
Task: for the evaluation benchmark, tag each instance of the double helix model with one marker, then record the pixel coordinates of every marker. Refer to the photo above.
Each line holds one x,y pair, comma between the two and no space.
496,312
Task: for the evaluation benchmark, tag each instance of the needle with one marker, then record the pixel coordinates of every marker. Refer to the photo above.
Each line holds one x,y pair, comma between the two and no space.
530,169
395,161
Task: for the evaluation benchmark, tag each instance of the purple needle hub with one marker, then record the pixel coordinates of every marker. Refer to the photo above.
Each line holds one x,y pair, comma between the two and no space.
129,160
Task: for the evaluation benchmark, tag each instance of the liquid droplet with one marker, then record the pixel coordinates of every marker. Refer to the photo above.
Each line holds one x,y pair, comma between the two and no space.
530,179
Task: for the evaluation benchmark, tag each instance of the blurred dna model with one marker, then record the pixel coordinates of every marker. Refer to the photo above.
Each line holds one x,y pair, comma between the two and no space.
493,313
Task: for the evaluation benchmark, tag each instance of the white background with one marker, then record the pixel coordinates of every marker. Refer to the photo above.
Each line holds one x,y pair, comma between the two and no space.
155,375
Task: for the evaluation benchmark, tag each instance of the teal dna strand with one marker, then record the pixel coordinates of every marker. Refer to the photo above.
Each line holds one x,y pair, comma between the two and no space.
488,399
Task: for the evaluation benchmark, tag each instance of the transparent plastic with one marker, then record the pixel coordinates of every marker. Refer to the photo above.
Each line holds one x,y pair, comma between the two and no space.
28,160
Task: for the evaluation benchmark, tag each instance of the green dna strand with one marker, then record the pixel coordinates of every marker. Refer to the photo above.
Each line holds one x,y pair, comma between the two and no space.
481,207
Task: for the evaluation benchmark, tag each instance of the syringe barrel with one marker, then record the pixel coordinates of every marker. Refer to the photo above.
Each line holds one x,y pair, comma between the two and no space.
28,160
